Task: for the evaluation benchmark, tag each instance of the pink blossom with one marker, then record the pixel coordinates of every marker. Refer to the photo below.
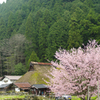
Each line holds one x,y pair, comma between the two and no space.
77,69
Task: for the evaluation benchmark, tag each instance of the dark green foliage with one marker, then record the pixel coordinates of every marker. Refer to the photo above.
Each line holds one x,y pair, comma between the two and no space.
33,57
57,37
46,25
10,25
90,27
20,16
2,29
43,32
75,38
22,27
19,69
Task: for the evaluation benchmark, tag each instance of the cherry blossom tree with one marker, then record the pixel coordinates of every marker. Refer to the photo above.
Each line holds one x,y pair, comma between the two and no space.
75,70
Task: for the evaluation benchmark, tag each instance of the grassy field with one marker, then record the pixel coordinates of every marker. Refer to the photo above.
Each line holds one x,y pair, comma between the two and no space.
4,97
76,98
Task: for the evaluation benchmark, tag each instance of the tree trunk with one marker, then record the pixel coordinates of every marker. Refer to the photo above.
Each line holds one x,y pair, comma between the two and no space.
98,89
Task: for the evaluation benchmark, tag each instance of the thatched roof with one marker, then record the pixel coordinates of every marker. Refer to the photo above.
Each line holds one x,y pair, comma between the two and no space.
37,76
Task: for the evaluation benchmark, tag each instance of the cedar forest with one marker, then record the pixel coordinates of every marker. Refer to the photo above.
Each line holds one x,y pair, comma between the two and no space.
33,30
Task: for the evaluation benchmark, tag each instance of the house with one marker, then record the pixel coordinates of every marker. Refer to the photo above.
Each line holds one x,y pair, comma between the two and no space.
6,82
5,87
24,86
33,64
1,78
36,73
39,89
10,79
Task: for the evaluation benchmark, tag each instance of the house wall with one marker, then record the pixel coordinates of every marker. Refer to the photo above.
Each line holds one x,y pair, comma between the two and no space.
6,80
8,88
1,89
39,91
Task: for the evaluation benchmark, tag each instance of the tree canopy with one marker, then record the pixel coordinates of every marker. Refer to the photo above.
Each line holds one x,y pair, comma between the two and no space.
75,70
46,26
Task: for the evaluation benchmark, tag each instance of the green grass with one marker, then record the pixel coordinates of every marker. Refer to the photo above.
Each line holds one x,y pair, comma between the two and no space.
73,98
3,97
94,98
76,98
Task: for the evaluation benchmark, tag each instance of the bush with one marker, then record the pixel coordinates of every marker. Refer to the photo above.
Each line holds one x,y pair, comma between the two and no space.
36,98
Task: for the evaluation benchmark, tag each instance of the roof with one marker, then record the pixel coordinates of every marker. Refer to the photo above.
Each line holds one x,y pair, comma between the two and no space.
24,85
1,78
37,76
40,63
40,86
4,85
12,77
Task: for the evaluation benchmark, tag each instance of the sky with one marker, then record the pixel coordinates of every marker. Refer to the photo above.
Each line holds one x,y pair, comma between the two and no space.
1,1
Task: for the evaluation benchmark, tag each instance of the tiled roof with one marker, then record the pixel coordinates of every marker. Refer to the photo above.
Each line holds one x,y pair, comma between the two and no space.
13,77
40,86
23,85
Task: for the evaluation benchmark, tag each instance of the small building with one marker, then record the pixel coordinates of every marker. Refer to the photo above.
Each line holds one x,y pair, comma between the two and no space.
5,87
1,78
25,86
5,81
11,78
40,89
37,73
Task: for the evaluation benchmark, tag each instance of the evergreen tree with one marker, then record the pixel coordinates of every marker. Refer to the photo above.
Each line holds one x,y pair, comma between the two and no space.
19,69
33,57
22,28
48,25
19,19
2,29
90,27
43,32
47,18
75,38
10,25
30,30
57,37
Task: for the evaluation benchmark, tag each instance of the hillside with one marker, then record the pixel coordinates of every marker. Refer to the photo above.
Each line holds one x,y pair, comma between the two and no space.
33,30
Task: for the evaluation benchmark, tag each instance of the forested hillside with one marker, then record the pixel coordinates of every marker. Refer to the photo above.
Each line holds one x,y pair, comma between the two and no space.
33,30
